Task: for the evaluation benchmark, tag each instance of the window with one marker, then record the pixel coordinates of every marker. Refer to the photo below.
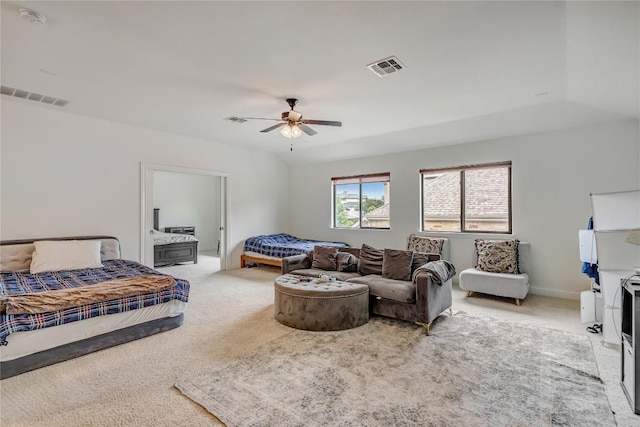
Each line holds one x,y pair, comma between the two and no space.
474,199
361,201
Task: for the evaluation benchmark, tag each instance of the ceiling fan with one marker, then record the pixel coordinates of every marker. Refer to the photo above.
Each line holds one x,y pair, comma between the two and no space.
292,123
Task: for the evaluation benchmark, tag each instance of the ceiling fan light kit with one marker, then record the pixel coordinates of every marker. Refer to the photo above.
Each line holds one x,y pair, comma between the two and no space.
290,131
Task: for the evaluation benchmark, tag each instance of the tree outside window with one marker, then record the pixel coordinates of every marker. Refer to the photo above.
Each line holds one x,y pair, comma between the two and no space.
361,201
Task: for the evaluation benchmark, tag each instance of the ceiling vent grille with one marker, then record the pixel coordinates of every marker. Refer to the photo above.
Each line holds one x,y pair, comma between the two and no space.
386,66
32,96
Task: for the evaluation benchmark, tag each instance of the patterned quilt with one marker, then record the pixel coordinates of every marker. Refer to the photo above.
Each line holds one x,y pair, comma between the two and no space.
22,282
284,245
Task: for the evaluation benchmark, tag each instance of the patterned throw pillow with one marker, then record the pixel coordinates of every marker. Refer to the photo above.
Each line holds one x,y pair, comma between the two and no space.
347,262
497,256
432,245
324,258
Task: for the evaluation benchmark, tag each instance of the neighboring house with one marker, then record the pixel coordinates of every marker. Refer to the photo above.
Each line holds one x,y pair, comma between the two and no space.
485,207
378,218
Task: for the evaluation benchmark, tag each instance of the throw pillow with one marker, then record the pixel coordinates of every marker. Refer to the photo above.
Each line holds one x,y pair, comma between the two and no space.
370,260
432,245
324,258
497,256
421,258
396,264
347,262
57,255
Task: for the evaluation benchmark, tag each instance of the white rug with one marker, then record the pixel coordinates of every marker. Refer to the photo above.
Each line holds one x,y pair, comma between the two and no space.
470,371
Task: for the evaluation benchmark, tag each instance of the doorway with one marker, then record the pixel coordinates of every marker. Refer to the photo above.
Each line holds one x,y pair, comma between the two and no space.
211,186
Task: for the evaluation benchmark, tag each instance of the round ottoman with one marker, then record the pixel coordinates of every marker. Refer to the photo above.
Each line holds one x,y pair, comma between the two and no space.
320,306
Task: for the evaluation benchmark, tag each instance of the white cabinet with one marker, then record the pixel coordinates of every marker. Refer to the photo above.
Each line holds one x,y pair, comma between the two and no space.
614,216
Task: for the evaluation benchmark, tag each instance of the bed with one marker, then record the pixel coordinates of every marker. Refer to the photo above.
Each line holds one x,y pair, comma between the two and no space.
30,340
270,249
172,248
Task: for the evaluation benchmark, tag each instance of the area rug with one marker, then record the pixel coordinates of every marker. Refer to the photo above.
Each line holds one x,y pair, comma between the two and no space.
469,371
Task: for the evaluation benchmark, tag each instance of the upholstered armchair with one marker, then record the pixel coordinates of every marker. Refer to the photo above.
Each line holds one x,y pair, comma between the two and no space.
510,285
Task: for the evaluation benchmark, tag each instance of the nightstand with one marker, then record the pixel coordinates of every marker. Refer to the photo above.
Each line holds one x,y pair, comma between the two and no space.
191,229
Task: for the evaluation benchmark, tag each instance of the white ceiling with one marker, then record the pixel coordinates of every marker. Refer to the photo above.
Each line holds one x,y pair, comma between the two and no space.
474,70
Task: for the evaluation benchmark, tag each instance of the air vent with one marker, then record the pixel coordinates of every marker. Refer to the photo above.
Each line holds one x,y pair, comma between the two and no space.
32,96
386,66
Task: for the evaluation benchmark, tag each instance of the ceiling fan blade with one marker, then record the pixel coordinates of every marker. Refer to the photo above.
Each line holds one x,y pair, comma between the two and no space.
257,118
321,122
306,129
269,129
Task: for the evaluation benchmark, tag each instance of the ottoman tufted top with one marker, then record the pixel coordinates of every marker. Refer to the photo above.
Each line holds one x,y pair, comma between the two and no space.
292,285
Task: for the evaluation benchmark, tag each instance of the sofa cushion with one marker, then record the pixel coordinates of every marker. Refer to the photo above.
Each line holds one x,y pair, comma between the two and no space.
432,245
347,262
396,290
324,258
497,256
421,258
312,272
370,260
396,264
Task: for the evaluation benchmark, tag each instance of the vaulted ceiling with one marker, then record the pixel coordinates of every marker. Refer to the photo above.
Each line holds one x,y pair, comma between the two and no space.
473,70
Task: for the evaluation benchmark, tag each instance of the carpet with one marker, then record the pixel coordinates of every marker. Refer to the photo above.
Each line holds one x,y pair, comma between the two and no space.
470,371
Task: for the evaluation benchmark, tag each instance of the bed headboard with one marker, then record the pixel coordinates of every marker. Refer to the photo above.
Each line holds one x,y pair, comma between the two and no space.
16,254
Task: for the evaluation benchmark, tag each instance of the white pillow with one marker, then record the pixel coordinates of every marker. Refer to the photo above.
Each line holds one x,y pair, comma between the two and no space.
56,255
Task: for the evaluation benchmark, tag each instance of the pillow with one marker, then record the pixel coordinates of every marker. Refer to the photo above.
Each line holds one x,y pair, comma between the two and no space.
347,262
56,255
396,264
432,245
370,260
324,258
497,256
421,258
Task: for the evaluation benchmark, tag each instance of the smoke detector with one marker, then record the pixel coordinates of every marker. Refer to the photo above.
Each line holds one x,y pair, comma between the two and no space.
386,66
32,17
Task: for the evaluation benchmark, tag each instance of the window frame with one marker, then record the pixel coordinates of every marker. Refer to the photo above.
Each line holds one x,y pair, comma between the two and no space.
461,170
361,179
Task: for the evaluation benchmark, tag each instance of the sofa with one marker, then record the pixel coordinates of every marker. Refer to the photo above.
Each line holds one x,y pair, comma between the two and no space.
420,297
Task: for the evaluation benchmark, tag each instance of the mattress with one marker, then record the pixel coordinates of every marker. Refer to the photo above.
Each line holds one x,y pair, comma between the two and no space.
284,245
161,238
21,344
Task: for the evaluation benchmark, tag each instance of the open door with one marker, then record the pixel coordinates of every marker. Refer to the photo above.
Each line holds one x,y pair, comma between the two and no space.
219,191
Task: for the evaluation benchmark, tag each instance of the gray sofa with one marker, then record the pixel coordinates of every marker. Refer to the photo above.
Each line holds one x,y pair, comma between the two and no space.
418,300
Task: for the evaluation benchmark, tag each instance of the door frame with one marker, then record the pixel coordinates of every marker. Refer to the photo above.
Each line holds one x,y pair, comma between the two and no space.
146,213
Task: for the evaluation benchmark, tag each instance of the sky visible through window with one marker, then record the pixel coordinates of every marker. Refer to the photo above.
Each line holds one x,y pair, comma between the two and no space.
374,190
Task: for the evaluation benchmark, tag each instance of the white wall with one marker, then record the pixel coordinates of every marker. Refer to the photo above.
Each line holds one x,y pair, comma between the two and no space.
189,200
553,176
64,174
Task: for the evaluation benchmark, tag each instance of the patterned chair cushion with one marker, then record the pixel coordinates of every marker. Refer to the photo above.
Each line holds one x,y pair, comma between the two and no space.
497,256
432,245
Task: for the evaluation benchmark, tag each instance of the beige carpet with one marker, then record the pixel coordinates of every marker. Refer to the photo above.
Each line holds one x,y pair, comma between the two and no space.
229,315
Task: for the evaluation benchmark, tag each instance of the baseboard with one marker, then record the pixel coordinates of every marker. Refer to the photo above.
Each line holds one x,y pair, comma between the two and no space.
555,293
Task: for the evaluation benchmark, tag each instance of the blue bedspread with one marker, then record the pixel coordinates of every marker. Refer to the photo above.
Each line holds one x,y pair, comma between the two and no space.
22,282
284,245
